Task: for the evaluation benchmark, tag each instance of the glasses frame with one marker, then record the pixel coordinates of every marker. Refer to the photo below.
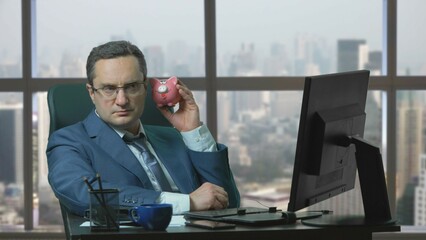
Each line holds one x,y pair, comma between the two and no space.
116,89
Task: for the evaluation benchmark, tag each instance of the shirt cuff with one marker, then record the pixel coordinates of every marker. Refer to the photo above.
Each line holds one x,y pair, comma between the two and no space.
200,140
179,201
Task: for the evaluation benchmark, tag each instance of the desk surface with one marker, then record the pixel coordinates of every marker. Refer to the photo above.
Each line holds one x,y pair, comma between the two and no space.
293,231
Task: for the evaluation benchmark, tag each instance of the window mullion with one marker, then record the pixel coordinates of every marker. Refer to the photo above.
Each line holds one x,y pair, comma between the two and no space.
27,8
390,9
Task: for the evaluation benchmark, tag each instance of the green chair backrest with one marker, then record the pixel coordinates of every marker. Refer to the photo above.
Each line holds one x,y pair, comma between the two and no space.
70,103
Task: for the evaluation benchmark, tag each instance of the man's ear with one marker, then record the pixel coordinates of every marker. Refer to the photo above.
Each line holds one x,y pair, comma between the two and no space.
90,91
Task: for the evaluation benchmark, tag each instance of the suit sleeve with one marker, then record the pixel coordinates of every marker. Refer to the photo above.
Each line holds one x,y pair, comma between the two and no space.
214,167
70,158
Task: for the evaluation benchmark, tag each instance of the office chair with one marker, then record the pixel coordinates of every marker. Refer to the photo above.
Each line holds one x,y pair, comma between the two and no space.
71,103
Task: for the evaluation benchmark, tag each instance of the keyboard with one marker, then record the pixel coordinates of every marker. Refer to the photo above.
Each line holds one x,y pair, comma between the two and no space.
258,219
212,214
252,216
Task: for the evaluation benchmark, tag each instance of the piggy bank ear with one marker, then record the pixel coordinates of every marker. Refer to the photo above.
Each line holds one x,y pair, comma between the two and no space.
172,80
154,81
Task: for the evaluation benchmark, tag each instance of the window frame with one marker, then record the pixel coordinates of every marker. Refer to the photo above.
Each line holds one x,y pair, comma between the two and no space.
389,83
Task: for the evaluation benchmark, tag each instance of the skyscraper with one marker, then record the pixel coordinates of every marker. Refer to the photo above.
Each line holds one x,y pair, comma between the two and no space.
154,60
420,195
409,138
409,149
352,54
11,144
374,62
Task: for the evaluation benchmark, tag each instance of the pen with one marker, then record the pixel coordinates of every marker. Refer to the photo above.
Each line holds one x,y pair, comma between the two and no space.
88,184
102,203
101,190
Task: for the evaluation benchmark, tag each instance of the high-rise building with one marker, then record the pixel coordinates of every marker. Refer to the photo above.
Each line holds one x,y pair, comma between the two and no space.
11,144
420,195
311,56
154,56
177,58
409,149
10,69
72,65
276,64
285,104
243,63
405,203
374,62
352,54
409,138
42,124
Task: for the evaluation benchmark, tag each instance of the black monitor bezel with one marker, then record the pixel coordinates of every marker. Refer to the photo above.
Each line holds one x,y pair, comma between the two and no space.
333,117
322,92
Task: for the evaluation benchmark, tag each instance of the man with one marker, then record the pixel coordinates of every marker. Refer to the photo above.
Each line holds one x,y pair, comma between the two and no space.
193,171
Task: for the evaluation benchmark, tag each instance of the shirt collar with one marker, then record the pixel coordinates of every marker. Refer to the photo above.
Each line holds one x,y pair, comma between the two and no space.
121,133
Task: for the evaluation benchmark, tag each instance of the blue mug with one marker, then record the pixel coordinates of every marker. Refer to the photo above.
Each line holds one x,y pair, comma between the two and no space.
152,216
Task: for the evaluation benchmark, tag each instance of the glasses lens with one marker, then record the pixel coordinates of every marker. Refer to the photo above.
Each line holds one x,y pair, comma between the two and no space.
109,90
132,88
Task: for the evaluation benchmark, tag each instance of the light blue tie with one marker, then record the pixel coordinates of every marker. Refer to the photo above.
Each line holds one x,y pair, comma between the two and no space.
150,161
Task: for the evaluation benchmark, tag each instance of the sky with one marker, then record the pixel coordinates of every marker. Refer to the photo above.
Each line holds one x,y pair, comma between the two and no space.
78,24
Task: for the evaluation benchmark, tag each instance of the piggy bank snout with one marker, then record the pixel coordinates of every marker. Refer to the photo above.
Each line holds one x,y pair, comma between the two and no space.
162,89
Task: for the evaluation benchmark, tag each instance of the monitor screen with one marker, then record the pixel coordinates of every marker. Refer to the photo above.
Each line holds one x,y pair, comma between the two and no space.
330,143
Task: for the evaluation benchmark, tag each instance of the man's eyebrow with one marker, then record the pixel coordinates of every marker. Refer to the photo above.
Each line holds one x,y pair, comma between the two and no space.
115,85
136,81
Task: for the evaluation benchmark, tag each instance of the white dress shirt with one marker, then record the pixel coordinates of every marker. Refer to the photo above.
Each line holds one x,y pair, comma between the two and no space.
198,139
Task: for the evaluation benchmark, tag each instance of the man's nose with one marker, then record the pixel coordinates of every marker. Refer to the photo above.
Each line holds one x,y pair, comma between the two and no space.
121,98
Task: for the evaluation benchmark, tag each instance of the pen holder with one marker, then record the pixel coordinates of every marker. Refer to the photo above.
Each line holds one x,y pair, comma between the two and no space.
104,210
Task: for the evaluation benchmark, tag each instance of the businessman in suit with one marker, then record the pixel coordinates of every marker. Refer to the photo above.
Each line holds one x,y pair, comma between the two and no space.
195,167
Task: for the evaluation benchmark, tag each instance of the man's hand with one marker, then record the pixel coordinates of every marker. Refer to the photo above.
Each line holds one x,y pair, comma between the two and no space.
208,197
187,117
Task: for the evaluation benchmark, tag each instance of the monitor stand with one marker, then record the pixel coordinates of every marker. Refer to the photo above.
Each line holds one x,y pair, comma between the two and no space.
330,220
373,189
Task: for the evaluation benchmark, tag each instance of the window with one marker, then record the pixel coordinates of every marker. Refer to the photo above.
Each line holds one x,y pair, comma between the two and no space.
411,39
10,42
170,33
46,206
410,152
280,38
261,56
11,159
64,44
260,129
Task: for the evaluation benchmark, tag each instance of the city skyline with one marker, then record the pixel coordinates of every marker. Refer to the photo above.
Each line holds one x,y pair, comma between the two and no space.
329,25
307,54
311,60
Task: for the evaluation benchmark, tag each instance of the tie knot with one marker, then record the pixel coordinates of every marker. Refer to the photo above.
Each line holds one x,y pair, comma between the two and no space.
130,138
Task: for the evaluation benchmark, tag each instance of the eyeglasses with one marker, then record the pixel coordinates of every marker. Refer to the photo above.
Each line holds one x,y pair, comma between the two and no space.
111,91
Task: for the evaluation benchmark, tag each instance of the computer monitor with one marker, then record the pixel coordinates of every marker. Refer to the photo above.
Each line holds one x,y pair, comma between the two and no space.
330,149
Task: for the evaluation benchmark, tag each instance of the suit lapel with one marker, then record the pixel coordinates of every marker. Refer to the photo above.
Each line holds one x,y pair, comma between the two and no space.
173,159
111,143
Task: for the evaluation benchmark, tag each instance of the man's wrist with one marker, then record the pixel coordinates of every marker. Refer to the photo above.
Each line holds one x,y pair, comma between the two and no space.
180,201
199,139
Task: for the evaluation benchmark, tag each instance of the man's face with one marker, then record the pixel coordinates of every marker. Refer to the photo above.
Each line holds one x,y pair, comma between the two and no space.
123,109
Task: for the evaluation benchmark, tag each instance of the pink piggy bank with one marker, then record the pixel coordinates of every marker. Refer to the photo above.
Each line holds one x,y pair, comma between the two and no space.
164,92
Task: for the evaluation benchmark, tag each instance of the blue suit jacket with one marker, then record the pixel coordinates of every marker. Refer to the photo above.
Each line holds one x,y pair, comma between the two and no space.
91,146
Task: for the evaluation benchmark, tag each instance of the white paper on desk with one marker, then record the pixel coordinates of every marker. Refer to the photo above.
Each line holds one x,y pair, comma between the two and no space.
177,221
